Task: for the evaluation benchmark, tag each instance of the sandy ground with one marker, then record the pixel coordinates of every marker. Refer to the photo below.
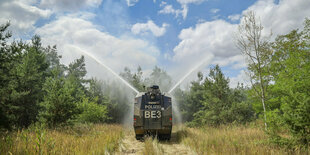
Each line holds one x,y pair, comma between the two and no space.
132,146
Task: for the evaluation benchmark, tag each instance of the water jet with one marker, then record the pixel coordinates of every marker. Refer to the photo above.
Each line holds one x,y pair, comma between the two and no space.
109,69
207,59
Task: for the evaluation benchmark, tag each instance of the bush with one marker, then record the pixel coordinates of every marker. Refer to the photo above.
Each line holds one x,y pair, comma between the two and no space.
92,112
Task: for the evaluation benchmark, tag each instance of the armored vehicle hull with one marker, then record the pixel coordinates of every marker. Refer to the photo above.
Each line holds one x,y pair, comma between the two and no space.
153,114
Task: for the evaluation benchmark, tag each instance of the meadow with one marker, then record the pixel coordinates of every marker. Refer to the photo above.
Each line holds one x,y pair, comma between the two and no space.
232,140
226,139
80,139
109,139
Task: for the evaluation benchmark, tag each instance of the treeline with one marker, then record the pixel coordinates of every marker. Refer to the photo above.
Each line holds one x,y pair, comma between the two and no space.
36,87
279,93
279,73
210,101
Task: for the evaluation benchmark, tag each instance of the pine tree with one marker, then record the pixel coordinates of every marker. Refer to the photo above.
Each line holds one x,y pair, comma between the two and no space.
60,104
7,58
216,99
30,74
23,73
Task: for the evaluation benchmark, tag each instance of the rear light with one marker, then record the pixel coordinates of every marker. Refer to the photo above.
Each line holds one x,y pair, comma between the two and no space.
170,118
134,121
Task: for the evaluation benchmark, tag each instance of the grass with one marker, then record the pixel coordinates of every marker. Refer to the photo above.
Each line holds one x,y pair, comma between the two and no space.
152,147
231,140
106,139
81,139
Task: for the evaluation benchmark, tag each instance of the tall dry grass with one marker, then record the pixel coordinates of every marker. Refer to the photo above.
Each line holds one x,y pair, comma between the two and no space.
152,147
81,139
245,140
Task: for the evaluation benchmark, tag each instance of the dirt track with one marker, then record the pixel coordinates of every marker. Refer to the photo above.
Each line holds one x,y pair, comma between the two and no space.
132,146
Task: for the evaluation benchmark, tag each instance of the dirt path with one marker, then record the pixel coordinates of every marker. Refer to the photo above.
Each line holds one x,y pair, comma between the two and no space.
175,147
132,146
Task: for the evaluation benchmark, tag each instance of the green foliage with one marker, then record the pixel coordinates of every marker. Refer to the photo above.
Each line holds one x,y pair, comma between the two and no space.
241,110
59,104
77,71
23,71
193,99
30,74
95,107
291,72
92,112
212,101
34,86
216,99
257,50
7,59
67,100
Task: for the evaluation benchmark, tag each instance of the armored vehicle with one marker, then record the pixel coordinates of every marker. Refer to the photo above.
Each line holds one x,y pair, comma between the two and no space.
153,114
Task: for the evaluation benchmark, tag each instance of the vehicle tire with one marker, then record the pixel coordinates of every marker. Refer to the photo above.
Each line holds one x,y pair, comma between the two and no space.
139,137
165,137
168,137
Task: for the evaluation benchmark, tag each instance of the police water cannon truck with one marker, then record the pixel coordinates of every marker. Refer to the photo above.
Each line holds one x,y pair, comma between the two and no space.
153,114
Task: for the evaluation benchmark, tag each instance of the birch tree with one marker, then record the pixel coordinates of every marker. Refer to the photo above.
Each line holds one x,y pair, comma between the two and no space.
256,48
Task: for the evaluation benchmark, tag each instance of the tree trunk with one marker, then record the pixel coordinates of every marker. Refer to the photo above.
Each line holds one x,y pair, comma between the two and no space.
263,102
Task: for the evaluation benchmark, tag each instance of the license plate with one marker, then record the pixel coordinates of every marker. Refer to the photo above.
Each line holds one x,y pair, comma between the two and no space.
152,114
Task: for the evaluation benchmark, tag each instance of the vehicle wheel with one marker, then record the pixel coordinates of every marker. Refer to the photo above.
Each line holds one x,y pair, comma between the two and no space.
168,137
139,137
164,137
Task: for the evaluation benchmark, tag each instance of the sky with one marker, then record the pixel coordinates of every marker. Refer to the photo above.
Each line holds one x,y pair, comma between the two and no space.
176,35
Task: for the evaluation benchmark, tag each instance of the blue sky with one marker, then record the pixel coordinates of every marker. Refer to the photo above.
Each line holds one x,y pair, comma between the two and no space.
175,35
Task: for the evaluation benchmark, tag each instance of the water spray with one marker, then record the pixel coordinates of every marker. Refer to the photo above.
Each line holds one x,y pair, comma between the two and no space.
190,72
109,69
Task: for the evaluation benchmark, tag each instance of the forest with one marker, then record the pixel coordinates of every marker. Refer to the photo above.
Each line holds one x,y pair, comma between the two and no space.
37,91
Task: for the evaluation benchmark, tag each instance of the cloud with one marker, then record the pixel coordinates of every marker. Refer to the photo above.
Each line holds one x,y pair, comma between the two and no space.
69,5
234,62
242,77
214,11
190,1
21,14
203,44
234,17
209,37
162,3
116,52
131,2
168,9
216,38
141,28
282,17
